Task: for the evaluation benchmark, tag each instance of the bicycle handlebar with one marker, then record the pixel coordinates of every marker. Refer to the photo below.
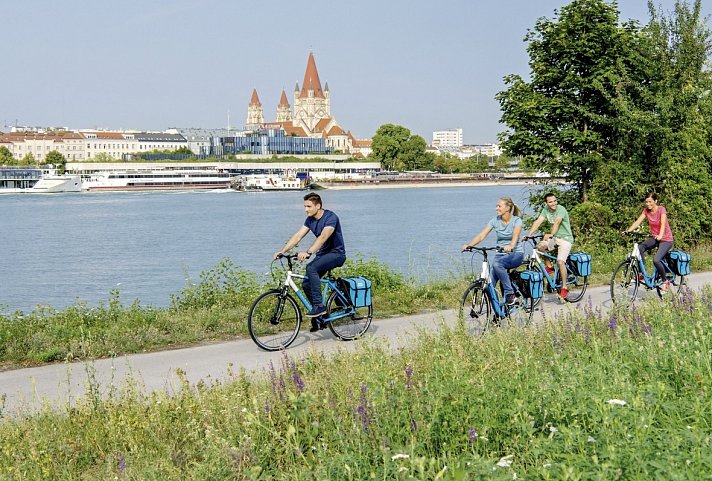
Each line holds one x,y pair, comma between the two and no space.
483,249
634,234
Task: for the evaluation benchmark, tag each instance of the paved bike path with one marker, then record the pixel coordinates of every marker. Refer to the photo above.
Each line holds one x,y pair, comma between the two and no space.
26,390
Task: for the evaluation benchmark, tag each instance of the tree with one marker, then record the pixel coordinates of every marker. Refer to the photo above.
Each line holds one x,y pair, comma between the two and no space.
103,157
396,149
6,157
28,159
58,160
562,120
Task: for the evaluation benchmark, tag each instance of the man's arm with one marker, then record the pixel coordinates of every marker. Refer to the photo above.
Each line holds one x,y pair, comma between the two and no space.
535,225
293,241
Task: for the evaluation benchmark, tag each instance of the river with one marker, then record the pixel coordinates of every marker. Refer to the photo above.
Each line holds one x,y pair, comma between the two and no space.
59,249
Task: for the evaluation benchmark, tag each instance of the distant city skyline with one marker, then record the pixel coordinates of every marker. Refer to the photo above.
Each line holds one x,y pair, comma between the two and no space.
152,66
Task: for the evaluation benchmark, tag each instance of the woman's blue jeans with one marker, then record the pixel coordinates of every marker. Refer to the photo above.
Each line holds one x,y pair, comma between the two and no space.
501,263
315,270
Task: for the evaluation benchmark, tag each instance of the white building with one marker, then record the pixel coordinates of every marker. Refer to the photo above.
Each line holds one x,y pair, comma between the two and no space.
447,138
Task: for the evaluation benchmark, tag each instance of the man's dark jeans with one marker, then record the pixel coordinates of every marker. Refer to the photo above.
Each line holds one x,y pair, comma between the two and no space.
315,270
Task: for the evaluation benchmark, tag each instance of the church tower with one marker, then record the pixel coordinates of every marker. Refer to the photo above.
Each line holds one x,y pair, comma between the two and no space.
255,115
284,113
311,103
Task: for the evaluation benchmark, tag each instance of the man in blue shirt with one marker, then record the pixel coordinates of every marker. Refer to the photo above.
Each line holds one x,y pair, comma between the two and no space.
328,247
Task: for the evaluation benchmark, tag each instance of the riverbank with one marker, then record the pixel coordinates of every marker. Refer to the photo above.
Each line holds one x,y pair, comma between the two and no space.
358,184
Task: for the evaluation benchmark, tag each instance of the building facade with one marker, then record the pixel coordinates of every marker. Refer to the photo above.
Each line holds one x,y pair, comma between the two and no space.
447,138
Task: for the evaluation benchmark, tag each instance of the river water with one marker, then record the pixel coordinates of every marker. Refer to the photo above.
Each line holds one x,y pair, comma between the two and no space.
58,249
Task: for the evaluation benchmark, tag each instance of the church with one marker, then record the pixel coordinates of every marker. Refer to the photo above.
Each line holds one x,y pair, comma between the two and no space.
311,116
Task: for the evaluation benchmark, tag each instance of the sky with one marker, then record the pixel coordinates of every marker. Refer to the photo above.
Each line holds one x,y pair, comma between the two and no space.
153,65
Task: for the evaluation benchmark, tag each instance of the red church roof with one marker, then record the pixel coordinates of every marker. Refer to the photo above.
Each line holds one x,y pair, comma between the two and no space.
311,80
283,100
255,100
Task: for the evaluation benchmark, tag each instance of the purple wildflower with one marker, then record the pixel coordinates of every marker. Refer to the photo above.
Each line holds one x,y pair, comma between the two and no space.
612,323
408,377
298,381
121,463
362,409
472,435
267,409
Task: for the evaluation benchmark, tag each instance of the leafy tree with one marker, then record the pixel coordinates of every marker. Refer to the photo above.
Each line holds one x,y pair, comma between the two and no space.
57,159
562,120
396,149
28,159
6,157
103,157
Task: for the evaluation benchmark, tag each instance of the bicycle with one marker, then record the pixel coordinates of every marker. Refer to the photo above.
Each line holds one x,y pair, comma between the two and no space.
631,273
482,304
575,284
275,319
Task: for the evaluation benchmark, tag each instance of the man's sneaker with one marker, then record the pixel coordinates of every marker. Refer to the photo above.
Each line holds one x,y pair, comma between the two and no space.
549,270
511,299
665,286
316,311
641,277
564,293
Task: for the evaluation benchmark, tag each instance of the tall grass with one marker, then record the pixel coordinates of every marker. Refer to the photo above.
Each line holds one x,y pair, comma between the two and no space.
620,395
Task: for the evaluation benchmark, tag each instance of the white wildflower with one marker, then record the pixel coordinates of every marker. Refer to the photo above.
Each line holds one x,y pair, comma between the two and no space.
244,410
506,461
591,439
400,456
553,430
547,465
617,402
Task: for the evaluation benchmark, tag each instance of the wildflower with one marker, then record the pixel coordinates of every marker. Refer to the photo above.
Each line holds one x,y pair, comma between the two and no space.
400,456
472,435
612,323
506,461
121,463
591,439
408,377
298,381
553,430
617,402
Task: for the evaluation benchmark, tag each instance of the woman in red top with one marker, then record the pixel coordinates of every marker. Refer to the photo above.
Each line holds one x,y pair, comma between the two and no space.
660,233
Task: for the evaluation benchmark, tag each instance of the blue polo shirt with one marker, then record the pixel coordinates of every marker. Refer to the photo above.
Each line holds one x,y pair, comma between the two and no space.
335,242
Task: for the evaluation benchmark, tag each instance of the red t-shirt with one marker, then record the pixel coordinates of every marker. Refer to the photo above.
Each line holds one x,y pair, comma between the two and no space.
654,222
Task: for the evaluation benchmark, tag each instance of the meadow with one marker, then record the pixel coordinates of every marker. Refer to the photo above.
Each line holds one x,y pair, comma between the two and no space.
618,395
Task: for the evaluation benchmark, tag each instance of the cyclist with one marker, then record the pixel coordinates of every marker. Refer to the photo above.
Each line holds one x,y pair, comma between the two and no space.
507,225
560,235
328,247
660,233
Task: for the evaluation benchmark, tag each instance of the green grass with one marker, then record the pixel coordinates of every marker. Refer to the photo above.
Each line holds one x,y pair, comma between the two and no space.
621,395
215,307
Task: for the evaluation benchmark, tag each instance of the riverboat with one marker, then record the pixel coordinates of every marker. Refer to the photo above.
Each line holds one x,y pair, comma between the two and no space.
21,180
157,180
266,183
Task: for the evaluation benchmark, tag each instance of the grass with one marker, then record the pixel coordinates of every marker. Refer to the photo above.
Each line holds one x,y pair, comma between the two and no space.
215,307
621,395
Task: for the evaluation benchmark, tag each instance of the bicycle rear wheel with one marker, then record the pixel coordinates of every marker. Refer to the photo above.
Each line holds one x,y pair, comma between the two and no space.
520,314
475,308
576,285
624,282
351,326
274,320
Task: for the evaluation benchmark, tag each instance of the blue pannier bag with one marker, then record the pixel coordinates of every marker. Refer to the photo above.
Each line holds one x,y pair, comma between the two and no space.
580,263
679,262
359,291
532,284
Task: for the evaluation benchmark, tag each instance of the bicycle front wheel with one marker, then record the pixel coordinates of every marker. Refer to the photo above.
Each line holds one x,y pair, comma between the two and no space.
274,320
624,283
520,314
350,326
475,308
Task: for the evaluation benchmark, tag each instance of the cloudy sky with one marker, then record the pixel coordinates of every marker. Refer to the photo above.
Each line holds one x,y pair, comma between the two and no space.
151,65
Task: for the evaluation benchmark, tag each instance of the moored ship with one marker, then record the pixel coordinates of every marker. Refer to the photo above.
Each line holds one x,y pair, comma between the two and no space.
265,183
157,180
28,180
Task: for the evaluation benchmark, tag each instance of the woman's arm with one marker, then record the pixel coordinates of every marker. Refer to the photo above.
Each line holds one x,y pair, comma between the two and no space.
478,238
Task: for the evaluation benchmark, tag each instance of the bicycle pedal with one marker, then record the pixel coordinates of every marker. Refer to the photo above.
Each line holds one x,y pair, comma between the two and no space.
274,321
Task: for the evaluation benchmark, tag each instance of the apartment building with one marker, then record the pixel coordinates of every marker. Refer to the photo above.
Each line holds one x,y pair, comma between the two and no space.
447,138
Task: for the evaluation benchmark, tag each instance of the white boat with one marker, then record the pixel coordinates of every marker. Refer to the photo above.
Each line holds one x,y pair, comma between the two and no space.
186,179
19,180
264,183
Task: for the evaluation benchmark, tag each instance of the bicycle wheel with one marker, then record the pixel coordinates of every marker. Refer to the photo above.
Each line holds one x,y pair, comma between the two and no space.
520,314
348,327
274,320
576,285
624,282
475,308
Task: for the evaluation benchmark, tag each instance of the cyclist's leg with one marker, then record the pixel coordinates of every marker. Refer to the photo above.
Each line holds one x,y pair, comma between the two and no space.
315,270
663,248
645,246
502,262
563,254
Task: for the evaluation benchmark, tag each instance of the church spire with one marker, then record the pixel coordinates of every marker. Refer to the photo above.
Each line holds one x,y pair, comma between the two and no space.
311,86
255,115
255,100
284,113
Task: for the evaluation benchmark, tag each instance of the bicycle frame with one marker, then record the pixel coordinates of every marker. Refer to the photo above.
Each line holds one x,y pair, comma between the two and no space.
486,278
327,286
649,279
554,279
